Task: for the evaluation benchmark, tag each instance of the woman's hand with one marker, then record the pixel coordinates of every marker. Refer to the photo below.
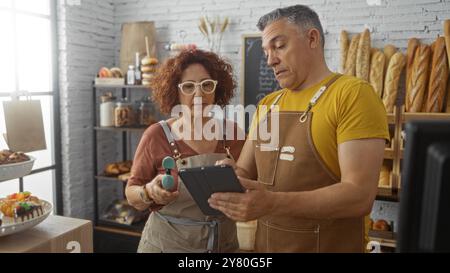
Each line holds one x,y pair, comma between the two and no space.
158,193
227,161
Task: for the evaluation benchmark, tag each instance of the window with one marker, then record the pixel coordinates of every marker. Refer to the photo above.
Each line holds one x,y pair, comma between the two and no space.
28,54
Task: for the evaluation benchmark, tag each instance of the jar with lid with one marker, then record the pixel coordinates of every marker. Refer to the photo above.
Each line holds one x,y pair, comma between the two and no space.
107,104
146,117
123,114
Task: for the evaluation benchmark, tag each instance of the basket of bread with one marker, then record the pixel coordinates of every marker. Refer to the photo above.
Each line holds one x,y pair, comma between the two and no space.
14,165
21,211
110,76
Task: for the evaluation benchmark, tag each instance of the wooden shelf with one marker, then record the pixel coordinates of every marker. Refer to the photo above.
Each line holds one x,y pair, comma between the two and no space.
406,116
389,153
121,86
391,118
110,178
121,129
385,238
387,194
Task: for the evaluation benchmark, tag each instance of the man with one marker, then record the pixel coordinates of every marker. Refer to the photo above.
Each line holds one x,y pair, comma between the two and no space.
311,192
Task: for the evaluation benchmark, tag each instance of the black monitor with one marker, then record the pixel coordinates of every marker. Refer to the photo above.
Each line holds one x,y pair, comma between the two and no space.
426,143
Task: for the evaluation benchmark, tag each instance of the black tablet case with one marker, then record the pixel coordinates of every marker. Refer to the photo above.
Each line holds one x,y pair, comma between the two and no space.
202,182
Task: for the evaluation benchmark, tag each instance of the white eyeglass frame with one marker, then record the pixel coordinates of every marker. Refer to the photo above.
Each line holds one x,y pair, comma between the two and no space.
198,84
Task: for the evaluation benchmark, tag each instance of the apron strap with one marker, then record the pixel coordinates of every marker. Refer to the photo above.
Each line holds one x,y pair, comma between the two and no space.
224,131
317,96
212,225
173,146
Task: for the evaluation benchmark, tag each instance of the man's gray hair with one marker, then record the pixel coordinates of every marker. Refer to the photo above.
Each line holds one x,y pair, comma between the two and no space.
301,15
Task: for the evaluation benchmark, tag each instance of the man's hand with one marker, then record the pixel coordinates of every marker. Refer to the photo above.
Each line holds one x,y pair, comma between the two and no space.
243,207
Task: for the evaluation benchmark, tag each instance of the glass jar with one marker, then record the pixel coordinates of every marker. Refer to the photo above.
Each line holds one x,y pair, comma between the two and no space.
123,114
107,105
146,117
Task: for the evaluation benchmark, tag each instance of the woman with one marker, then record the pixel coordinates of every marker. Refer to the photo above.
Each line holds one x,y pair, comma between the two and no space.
192,79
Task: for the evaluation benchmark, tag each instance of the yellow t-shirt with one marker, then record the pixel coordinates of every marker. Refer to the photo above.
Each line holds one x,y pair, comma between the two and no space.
349,109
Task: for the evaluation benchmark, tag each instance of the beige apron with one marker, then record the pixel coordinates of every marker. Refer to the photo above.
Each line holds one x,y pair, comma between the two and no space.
181,226
294,166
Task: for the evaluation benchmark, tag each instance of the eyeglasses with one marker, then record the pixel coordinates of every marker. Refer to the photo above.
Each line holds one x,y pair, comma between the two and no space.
207,86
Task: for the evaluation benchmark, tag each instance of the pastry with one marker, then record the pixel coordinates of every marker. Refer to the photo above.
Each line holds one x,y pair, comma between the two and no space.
363,56
419,79
438,78
9,157
377,71
20,206
116,72
384,176
104,72
381,225
149,61
344,42
112,170
395,68
350,64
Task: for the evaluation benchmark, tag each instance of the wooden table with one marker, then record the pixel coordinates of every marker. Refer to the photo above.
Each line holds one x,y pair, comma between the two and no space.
56,234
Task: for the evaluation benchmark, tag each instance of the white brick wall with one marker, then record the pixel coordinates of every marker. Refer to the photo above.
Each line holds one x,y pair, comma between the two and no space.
90,38
86,42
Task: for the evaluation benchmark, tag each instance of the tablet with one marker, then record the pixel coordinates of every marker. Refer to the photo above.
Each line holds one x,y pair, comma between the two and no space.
202,182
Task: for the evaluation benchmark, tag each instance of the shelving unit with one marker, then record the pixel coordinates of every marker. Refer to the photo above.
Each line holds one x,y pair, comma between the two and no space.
395,153
109,235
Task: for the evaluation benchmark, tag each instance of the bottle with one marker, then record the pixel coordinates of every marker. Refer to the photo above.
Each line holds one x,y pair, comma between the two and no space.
137,71
107,110
130,75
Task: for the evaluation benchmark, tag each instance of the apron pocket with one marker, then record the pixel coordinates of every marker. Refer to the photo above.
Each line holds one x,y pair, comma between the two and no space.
266,158
292,239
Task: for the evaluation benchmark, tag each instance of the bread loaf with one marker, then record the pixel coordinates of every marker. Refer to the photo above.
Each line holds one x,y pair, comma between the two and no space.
350,64
344,50
389,51
437,86
363,56
419,79
447,38
384,176
413,43
395,68
377,71
425,94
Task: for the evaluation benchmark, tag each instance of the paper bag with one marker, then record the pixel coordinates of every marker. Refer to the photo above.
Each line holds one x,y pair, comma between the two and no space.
24,126
133,40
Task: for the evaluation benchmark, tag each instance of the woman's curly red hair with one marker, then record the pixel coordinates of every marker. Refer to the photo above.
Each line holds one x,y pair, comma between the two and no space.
165,83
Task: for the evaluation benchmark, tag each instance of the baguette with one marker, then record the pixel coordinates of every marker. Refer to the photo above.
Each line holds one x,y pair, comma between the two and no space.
377,71
447,38
389,51
350,64
425,94
419,79
413,43
363,56
437,86
344,49
395,68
